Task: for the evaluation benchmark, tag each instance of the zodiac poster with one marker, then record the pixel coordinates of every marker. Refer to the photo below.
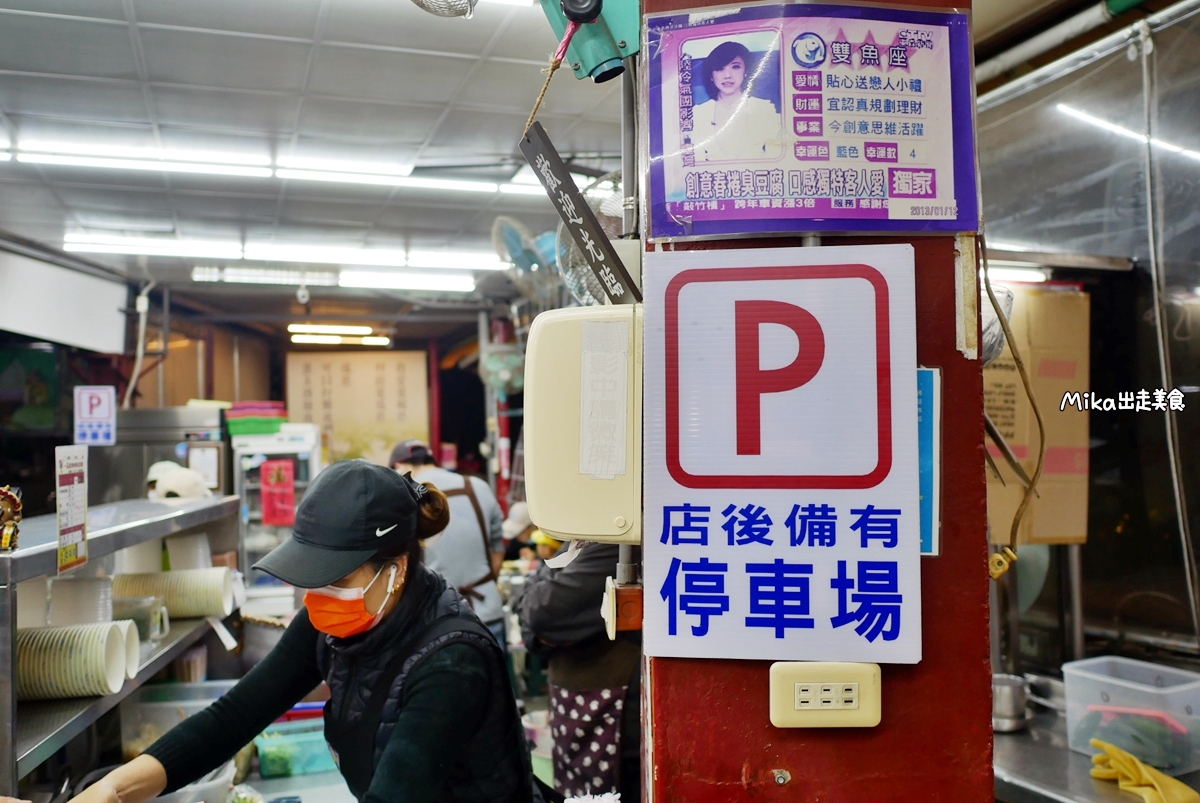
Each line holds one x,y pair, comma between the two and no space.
808,118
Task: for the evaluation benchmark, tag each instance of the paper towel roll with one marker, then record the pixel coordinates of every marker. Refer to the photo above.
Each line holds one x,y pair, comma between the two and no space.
133,646
189,594
75,661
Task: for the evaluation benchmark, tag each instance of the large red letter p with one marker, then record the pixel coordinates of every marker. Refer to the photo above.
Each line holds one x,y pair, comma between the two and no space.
752,381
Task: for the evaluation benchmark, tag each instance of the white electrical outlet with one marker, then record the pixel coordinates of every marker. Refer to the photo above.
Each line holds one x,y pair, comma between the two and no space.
811,694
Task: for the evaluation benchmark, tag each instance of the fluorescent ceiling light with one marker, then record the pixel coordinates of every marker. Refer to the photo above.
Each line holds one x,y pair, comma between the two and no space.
523,189
5,156
461,260
336,340
402,280
344,166
324,340
126,152
134,164
318,278
1126,132
1016,274
324,329
327,254
411,182
147,246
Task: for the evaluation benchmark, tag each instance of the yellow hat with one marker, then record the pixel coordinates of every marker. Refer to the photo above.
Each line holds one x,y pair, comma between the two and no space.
540,537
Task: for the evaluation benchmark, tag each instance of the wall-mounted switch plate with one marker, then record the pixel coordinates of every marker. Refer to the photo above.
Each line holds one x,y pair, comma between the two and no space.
819,694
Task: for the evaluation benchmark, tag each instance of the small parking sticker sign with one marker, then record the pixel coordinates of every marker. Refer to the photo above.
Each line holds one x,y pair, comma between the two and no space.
782,502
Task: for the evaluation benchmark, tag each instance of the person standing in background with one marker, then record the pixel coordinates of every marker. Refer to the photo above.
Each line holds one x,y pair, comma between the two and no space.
595,682
470,550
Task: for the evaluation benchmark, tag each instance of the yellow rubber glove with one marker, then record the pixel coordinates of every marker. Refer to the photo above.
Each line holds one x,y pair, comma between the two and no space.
1152,786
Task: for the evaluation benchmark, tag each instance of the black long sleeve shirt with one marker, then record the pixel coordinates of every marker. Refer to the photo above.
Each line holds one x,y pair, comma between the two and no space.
445,700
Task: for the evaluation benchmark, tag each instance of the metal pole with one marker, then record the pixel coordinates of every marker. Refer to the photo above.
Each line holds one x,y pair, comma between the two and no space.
627,570
200,367
1075,573
237,369
8,686
162,357
489,398
629,160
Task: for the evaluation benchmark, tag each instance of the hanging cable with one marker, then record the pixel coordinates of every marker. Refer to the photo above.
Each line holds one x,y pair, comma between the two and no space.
143,310
1001,561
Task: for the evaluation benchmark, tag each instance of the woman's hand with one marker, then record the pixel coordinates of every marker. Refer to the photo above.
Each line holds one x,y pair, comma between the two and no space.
138,781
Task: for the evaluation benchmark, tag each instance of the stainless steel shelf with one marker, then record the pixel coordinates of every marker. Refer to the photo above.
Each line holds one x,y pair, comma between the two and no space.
44,726
110,527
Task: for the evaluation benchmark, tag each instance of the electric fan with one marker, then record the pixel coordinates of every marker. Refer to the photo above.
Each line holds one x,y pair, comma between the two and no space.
502,367
606,199
447,8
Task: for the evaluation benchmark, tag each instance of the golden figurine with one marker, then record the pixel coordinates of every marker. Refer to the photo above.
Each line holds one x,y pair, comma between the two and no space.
10,516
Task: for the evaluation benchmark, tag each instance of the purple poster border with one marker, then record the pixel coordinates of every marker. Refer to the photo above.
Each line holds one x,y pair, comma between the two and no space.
664,227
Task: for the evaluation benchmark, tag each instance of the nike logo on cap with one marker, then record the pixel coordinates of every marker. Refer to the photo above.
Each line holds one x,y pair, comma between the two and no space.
380,533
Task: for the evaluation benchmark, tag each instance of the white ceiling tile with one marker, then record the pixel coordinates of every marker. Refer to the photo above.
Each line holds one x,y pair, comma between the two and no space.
42,130
205,59
296,18
225,111
486,132
67,99
65,47
199,206
374,74
529,36
134,201
504,86
104,9
363,122
393,23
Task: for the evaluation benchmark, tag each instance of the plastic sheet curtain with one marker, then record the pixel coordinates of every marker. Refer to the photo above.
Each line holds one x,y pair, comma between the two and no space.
1099,154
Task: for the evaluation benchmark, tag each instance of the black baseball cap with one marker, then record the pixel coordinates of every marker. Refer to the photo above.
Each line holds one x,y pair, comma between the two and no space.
351,511
410,450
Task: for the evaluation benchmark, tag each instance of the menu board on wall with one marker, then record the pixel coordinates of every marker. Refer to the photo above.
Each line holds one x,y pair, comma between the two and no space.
365,403
799,117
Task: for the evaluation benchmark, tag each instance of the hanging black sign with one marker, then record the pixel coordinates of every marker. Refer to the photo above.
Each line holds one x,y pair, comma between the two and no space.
572,207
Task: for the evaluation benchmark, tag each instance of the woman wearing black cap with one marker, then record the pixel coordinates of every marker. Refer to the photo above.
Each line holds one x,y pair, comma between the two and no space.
421,706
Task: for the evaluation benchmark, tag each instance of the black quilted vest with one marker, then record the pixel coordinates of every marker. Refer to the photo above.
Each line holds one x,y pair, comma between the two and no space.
366,677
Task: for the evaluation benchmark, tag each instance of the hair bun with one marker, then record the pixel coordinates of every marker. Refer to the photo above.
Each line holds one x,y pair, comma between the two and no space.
434,510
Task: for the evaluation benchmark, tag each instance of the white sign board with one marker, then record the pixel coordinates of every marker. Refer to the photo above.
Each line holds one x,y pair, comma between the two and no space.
95,415
781,492
70,475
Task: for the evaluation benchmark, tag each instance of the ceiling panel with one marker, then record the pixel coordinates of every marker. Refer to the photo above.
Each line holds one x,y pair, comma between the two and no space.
136,201
266,114
365,122
398,23
259,208
297,18
529,37
66,99
349,72
65,47
218,60
108,9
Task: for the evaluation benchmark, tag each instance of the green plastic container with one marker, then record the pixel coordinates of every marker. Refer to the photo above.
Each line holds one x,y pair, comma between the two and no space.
254,425
294,748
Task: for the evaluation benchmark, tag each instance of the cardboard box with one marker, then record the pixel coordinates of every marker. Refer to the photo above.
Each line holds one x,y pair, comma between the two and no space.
1052,328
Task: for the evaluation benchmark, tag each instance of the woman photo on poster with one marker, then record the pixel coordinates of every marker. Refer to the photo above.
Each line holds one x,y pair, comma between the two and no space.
733,124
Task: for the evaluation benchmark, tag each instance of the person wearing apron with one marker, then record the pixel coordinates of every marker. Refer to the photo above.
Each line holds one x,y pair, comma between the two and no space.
421,708
470,550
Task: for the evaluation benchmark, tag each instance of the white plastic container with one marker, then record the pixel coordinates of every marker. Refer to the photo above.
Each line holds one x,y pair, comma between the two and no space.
1152,711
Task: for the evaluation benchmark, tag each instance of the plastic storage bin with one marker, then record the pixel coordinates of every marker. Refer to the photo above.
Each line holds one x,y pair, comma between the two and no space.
294,748
1152,711
154,710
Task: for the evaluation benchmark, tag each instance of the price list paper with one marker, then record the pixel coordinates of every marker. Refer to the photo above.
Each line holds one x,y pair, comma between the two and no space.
70,472
805,118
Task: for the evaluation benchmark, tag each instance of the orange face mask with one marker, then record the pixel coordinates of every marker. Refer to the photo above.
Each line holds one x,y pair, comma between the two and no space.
342,612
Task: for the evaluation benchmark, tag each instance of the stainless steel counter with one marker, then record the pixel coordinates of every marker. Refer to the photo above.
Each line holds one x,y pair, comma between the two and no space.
110,527
1036,766
32,732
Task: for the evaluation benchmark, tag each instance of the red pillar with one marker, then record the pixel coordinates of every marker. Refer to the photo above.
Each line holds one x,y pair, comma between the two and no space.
708,733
